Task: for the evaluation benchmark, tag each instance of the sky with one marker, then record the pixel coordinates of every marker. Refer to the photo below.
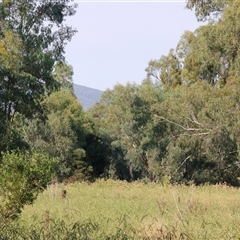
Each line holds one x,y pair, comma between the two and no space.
116,40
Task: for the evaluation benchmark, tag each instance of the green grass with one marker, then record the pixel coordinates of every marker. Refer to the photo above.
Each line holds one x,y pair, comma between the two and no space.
121,210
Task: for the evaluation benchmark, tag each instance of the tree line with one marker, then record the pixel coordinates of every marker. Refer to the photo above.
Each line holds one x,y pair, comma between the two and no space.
181,124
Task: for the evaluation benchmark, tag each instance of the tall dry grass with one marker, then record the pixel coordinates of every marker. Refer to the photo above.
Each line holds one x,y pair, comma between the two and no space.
120,210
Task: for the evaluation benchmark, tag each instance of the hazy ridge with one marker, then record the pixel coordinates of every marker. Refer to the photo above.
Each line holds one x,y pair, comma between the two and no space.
87,96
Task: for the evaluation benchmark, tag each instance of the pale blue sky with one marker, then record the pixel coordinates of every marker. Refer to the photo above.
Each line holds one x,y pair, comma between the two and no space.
116,40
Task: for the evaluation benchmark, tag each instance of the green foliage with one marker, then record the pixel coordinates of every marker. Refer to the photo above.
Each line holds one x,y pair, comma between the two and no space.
180,125
63,131
97,152
210,53
112,116
63,73
207,10
167,70
68,134
32,39
124,118
182,122
202,147
23,177
11,139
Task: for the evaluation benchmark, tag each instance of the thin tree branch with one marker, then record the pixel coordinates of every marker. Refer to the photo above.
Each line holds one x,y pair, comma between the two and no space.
184,128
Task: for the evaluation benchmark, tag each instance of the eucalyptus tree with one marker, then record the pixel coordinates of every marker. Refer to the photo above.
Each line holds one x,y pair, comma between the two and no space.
166,70
207,10
213,49
32,39
112,117
62,134
202,144
124,118
63,73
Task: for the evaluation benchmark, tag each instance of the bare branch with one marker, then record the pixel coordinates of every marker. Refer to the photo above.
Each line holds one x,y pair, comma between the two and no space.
194,120
184,128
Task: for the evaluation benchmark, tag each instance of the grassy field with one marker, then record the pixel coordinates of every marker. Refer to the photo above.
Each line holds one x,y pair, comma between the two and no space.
121,210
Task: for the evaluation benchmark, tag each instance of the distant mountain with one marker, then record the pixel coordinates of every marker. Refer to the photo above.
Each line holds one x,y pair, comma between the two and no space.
87,96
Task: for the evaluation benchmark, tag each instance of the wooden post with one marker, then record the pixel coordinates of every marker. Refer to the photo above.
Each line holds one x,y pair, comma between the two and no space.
64,193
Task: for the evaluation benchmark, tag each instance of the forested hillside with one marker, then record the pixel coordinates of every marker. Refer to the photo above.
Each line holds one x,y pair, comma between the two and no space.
180,125
86,96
